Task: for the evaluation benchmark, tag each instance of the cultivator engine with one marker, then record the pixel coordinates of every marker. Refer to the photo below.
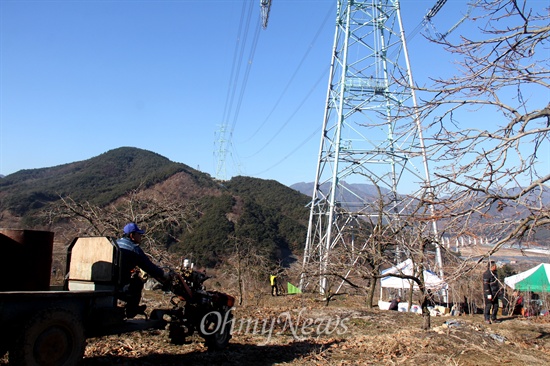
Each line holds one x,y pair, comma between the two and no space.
196,309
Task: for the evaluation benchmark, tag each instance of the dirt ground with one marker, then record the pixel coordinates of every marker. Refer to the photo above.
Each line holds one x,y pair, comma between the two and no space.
299,330
344,333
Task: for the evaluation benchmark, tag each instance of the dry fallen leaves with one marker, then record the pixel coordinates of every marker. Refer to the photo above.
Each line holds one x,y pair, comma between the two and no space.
372,337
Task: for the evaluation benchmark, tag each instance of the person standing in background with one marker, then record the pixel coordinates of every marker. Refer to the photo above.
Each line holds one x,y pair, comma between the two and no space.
491,293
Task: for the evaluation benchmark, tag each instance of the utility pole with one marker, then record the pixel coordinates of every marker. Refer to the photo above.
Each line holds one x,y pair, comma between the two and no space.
367,136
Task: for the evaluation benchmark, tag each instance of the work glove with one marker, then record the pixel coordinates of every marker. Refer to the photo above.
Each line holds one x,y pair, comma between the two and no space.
168,279
166,276
166,283
489,297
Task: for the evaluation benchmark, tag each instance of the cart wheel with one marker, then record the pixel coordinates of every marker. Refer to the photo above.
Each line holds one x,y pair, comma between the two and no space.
51,337
220,339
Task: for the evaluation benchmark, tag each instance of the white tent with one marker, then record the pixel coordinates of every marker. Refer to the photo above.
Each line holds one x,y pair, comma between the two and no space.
432,281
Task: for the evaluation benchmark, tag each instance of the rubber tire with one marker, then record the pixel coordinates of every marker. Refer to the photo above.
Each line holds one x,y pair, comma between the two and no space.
219,340
51,337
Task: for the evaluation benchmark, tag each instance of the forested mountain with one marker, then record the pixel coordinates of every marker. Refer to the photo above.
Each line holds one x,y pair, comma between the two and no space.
261,213
184,210
99,180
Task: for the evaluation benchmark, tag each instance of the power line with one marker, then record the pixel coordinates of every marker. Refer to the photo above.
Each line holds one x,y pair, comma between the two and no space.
435,9
224,139
302,144
294,74
321,78
245,78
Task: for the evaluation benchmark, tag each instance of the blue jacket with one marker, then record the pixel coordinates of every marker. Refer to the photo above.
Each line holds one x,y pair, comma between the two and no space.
131,255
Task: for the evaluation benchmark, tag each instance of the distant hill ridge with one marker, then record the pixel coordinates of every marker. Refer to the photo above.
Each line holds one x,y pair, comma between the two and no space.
99,180
264,212
364,190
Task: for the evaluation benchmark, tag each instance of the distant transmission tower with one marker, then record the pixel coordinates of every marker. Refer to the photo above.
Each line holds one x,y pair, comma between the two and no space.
367,138
225,135
220,153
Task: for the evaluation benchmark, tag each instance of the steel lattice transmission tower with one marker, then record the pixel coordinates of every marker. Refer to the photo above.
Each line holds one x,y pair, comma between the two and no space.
367,136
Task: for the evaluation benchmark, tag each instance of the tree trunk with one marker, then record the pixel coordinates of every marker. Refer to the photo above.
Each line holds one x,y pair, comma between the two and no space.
372,288
370,294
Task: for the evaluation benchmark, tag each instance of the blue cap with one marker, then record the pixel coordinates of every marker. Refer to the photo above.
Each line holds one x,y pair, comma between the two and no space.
132,228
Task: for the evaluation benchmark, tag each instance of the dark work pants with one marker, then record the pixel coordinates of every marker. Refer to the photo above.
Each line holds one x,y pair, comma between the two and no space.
488,305
133,296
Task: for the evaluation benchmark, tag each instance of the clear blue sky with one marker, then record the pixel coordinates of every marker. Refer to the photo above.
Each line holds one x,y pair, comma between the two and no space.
79,78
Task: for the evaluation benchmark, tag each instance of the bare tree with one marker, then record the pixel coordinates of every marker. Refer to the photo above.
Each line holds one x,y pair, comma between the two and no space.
246,268
375,242
161,216
489,125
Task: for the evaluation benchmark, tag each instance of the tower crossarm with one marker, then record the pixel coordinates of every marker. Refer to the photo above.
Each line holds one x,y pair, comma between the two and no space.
265,7
435,9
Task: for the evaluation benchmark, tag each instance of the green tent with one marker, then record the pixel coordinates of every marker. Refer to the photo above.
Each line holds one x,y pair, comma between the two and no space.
291,289
536,279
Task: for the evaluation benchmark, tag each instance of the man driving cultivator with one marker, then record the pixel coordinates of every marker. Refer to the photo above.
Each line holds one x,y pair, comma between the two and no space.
132,256
195,309
50,327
